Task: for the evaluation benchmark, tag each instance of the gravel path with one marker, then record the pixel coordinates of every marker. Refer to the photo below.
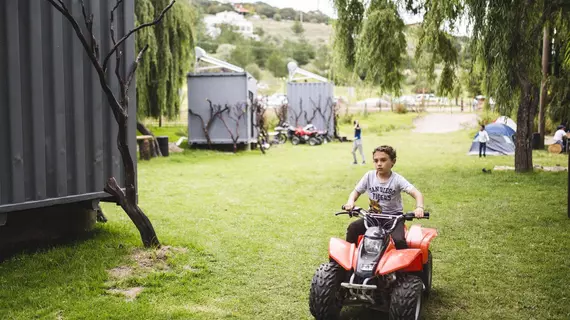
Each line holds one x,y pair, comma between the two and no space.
444,122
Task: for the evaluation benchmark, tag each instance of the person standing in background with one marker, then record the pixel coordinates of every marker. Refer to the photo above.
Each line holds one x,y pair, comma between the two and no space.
483,137
357,144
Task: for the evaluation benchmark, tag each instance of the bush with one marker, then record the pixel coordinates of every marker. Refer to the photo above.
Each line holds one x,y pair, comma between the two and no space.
297,27
277,17
346,118
400,108
411,80
254,70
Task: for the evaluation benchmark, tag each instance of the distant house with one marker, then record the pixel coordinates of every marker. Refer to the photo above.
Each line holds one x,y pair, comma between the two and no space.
234,19
240,9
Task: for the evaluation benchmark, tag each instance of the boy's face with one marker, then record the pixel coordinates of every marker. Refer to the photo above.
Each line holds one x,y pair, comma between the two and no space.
382,162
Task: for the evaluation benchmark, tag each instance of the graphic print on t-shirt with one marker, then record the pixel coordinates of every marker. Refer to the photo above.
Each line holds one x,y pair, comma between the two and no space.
379,193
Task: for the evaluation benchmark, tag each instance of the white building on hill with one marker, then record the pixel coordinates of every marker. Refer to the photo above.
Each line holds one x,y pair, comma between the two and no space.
240,24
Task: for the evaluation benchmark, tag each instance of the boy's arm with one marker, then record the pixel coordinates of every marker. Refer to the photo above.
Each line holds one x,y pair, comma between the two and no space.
351,200
416,194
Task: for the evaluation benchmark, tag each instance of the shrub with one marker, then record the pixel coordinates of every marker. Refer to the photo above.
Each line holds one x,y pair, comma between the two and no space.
254,70
400,108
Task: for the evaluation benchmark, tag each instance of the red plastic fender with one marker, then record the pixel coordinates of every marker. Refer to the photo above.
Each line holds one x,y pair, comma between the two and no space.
420,238
342,252
404,259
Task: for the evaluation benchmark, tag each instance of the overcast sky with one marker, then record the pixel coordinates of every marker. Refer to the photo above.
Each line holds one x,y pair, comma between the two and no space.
326,7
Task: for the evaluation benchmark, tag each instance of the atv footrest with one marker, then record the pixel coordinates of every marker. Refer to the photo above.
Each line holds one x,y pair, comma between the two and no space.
358,286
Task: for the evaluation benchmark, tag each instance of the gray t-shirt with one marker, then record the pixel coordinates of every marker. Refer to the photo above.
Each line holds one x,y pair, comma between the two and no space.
387,195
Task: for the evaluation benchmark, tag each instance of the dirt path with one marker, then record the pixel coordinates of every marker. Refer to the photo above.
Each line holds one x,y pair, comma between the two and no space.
444,122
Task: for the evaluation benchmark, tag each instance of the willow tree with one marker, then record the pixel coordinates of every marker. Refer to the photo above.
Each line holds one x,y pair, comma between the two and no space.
506,36
559,71
162,73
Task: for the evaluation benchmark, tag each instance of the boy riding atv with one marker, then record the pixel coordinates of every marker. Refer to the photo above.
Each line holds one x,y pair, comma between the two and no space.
381,265
384,190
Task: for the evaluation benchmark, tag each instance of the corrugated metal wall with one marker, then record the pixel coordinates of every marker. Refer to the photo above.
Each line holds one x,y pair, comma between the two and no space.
308,99
57,133
221,88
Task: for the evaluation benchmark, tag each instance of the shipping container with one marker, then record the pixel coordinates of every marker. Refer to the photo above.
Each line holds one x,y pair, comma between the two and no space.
58,137
235,90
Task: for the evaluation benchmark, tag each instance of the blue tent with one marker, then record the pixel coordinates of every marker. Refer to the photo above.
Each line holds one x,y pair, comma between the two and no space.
501,140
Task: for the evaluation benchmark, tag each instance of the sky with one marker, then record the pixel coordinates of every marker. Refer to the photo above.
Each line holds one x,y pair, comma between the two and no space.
326,6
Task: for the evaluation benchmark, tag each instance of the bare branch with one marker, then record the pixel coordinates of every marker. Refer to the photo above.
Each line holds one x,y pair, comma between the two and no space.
116,107
89,25
144,25
121,81
134,66
112,22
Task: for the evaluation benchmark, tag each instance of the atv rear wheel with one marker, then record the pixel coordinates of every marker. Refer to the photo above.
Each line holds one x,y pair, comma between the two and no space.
407,299
313,141
324,301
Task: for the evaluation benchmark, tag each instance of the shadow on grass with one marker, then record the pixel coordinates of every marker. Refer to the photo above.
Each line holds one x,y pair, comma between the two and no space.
44,246
434,301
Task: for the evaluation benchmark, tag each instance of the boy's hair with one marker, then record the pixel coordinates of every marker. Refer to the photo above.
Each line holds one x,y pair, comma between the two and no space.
391,152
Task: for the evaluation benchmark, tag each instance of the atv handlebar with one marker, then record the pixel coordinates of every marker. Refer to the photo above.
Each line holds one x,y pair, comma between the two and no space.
356,211
370,218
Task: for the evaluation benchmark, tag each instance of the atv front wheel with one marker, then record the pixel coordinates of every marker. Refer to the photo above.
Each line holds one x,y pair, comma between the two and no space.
295,140
426,275
313,141
324,301
407,299
282,138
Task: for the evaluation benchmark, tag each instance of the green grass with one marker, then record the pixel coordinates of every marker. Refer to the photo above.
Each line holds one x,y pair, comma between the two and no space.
256,227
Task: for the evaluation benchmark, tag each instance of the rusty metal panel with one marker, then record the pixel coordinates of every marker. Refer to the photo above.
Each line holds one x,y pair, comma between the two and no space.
311,102
232,89
57,132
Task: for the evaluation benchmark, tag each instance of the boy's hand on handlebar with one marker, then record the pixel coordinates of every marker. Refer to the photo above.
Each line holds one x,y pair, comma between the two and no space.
348,206
419,212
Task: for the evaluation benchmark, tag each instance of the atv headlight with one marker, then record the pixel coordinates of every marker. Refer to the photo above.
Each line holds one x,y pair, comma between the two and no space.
372,246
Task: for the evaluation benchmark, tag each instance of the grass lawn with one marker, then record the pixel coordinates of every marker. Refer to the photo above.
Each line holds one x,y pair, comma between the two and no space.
247,231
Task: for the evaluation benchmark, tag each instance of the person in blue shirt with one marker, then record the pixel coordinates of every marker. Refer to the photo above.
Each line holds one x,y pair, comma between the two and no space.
357,144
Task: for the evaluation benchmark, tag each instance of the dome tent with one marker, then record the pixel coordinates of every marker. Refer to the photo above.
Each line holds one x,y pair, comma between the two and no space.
508,121
501,140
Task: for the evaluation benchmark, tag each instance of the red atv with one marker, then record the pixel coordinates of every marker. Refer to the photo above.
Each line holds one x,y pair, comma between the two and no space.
307,134
373,273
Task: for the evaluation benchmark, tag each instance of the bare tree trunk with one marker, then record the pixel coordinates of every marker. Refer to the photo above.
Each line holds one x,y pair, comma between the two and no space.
120,107
525,121
544,89
144,130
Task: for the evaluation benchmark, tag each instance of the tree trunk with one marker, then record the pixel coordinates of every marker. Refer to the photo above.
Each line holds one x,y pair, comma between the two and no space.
544,89
525,121
155,149
128,200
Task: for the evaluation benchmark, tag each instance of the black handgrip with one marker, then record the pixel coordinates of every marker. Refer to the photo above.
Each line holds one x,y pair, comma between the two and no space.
411,216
